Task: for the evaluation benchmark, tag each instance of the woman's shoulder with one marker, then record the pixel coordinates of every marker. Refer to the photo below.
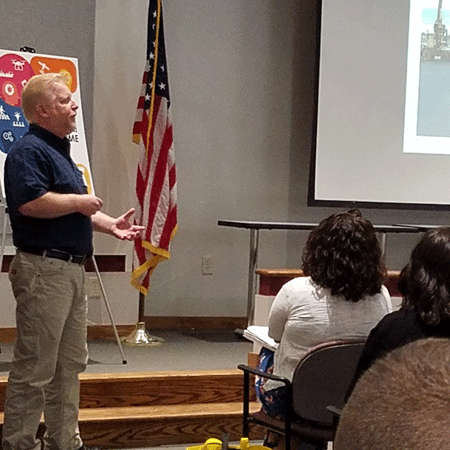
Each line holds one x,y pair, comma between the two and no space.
384,291
382,298
299,283
298,290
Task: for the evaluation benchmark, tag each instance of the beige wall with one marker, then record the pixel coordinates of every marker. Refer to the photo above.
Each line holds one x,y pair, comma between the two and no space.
230,67
242,82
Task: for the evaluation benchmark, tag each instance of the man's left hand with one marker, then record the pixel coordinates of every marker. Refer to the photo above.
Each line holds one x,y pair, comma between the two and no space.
123,229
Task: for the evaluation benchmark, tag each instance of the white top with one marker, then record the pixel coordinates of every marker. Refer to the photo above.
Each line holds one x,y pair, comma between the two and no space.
304,315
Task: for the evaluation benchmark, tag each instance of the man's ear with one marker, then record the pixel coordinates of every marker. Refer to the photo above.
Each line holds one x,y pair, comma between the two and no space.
41,110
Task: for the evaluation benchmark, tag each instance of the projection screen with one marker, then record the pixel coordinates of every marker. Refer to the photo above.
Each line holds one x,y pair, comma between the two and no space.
383,105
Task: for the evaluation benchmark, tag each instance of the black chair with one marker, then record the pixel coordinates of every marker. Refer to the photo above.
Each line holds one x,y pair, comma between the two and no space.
320,380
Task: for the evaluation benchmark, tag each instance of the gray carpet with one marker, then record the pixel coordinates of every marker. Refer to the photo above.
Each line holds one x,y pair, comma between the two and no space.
179,351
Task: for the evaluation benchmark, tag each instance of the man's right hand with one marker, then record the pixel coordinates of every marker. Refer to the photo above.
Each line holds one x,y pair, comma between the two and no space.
88,204
52,205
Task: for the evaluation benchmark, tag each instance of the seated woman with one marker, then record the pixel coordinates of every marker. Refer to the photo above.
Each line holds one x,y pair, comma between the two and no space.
341,297
425,312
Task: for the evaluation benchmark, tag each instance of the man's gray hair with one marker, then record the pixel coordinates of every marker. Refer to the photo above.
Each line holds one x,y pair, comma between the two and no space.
401,402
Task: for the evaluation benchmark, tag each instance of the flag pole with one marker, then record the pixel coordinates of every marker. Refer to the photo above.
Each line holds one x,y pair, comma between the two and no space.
141,307
156,186
140,337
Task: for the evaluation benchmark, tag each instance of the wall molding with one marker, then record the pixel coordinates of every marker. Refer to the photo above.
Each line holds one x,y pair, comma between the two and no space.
196,323
169,323
271,280
105,263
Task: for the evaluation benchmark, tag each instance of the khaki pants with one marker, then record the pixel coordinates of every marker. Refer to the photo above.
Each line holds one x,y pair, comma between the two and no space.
49,353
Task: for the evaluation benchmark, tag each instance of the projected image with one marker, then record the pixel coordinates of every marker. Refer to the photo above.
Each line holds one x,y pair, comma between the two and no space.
427,107
434,45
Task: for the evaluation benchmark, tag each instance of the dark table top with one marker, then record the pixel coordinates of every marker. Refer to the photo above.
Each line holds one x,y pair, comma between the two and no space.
257,225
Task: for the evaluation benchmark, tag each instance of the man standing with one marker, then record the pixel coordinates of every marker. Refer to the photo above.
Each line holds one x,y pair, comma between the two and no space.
52,219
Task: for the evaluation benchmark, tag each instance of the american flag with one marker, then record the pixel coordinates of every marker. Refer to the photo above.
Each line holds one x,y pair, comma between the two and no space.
156,185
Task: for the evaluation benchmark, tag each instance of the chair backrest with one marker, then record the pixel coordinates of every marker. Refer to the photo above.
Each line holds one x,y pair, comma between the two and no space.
322,378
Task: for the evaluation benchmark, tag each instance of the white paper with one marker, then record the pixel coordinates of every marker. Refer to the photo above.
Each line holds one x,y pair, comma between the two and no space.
260,335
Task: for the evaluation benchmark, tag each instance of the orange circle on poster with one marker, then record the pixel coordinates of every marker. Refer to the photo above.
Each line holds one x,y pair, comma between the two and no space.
44,64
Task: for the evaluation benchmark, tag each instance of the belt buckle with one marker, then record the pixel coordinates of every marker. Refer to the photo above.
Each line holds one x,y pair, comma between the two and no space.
59,254
78,259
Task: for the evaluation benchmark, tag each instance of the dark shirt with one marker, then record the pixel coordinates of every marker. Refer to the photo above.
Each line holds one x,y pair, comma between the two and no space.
38,163
395,330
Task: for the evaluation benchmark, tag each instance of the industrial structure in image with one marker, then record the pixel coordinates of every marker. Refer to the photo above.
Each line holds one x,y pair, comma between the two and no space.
435,46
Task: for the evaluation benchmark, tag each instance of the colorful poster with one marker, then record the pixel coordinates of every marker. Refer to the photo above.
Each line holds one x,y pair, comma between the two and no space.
16,68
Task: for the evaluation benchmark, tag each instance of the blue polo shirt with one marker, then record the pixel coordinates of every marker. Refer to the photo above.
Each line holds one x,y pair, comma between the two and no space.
38,163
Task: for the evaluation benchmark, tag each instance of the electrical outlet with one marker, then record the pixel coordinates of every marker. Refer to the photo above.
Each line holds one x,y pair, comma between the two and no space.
207,265
94,289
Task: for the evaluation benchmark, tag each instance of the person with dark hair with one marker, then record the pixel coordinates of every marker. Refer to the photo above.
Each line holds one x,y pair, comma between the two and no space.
425,311
401,402
341,296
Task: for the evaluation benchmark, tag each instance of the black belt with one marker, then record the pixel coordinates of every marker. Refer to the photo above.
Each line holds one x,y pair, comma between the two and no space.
57,254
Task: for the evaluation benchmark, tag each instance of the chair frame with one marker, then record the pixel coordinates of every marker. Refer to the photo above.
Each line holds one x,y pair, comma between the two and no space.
291,415
247,417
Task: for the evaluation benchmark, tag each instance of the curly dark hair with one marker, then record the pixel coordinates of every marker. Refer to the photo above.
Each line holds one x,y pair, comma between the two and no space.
344,255
425,281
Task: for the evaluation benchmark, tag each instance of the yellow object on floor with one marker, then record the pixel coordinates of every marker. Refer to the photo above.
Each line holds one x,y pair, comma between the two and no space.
217,444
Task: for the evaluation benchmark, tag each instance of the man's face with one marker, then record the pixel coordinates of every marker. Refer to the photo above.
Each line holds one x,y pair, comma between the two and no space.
61,109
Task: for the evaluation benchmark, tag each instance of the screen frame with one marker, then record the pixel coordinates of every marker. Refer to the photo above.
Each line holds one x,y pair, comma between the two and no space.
312,199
